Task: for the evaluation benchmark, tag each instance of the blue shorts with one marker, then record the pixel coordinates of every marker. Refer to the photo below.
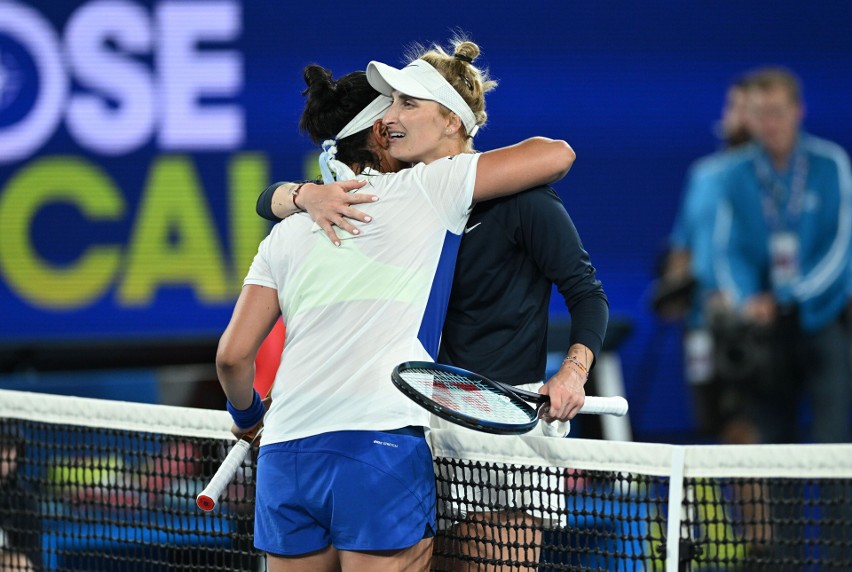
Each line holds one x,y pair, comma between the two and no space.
355,490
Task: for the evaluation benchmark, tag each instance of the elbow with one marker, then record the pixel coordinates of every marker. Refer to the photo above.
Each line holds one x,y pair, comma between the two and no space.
565,157
554,158
231,359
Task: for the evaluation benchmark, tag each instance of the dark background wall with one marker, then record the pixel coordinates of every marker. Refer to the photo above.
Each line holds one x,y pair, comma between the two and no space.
635,87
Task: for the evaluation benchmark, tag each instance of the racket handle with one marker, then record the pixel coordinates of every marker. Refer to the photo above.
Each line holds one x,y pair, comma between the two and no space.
605,406
209,497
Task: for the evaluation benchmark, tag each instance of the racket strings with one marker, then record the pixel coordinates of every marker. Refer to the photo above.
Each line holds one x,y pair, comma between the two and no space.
468,396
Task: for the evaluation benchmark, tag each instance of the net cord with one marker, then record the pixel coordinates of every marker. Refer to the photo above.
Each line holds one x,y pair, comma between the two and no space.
108,414
747,461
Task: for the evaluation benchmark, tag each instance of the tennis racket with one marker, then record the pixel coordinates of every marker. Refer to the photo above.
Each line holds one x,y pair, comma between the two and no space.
479,403
209,497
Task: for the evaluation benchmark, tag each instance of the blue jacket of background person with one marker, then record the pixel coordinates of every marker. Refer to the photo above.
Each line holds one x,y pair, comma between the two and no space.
823,227
693,227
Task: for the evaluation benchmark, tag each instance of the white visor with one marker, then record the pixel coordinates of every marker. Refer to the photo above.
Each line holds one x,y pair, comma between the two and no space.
332,169
421,81
365,119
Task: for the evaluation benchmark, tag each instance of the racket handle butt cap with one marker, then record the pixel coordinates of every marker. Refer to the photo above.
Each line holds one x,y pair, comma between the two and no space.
205,503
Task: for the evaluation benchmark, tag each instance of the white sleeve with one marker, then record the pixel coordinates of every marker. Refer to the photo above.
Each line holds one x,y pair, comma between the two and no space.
260,273
448,186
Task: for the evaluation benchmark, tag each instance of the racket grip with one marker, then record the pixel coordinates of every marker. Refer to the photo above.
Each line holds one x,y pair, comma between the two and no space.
605,406
209,497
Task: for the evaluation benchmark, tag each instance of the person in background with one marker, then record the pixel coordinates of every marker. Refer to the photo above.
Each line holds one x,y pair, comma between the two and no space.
20,539
784,229
514,250
686,287
782,235
337,399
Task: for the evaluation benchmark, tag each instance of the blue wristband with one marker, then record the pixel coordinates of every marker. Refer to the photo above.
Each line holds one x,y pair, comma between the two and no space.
248,418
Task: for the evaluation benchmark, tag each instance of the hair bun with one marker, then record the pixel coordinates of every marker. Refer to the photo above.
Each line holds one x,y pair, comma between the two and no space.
320,81
466,51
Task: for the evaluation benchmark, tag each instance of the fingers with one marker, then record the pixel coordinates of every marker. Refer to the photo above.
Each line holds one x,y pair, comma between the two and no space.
564,411
355,214
544,410
566,400
348,227
250,433
361,198
332,207
329,232
351,184
342,220
327,225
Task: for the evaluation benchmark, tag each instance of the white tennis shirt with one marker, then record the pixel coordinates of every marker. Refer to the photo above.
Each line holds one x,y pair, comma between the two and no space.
355,311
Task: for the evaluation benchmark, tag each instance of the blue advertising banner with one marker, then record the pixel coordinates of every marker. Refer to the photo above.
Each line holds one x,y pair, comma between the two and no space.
128,183
135,136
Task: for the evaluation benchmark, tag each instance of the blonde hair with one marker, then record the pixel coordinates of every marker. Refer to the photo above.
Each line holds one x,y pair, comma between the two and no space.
471,82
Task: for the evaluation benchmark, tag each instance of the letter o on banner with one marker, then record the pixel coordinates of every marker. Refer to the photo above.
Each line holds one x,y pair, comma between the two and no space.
27,27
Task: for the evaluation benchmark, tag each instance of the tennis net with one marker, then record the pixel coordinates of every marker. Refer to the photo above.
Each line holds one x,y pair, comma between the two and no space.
102,485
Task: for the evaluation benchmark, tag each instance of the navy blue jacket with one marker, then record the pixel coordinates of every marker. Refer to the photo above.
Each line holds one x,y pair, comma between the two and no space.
514,250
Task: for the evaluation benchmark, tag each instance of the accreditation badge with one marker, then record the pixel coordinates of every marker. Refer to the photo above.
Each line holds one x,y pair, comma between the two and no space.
698,354
784,255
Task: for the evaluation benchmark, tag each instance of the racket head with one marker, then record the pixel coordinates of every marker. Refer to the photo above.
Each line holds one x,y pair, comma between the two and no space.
465,398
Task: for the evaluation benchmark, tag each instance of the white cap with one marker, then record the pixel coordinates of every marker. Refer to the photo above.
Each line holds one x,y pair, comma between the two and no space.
421,81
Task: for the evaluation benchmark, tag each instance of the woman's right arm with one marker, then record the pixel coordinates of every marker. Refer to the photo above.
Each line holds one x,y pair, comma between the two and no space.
536,161
270,203
255,313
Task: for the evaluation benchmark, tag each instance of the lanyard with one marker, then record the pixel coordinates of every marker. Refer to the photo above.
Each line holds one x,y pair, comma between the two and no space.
774,190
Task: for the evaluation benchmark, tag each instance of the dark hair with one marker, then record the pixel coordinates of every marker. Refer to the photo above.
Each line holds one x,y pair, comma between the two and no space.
331,105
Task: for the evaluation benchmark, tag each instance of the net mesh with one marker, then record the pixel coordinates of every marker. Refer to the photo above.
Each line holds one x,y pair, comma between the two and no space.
95,485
